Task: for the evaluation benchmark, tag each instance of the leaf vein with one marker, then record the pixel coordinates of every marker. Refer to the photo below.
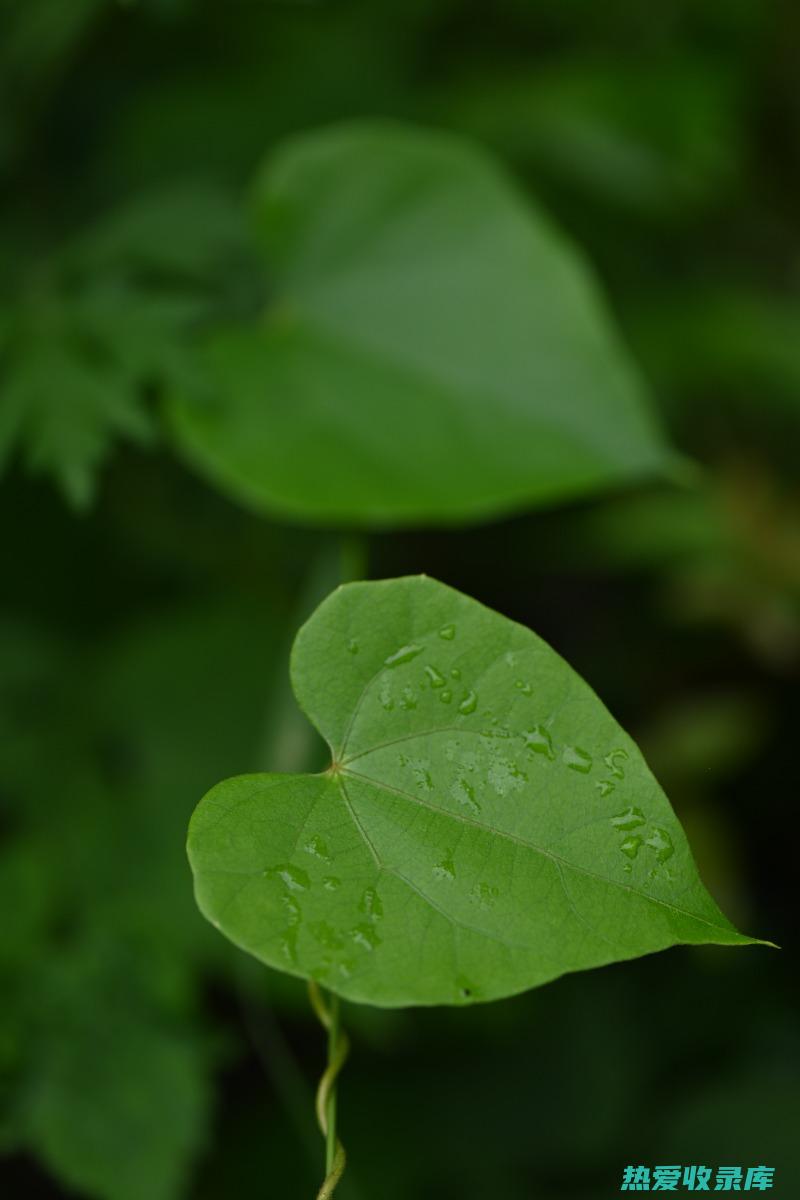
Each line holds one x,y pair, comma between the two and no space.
538,850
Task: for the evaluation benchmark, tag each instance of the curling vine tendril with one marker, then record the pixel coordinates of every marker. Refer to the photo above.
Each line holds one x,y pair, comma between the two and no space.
338,1048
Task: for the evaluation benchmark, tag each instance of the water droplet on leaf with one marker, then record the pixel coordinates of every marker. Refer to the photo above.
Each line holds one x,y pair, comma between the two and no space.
539,741
464,793
365,937
446,869
660,841
436,678
577,759
465,989
326,935
485,894
505,776
419,769
295,878
371,905
288,944
288,940
631,818
613,760
317,847
403,655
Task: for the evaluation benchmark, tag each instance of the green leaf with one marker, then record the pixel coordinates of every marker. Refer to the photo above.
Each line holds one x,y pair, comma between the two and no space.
656,134
117,1102
65,412
485,825
180,231
736,344
435,350
105,322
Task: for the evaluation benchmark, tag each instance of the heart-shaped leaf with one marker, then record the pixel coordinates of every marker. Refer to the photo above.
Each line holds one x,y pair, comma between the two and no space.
434,350
485,824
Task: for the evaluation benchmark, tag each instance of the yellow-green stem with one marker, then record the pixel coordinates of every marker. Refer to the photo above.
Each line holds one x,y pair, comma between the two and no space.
333,1039
338,1047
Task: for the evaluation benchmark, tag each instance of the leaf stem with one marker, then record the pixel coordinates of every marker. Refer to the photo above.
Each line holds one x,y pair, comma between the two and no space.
338,1047
333,1040
353,557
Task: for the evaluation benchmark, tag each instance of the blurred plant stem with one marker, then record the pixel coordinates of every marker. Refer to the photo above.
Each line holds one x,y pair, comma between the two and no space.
353,557
279,1063
289,744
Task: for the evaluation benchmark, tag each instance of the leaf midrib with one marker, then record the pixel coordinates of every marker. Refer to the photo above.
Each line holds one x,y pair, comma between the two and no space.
345,769
385,867
555,858
454,390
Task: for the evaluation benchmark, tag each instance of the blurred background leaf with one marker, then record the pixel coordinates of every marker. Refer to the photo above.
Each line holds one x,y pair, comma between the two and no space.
433,350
